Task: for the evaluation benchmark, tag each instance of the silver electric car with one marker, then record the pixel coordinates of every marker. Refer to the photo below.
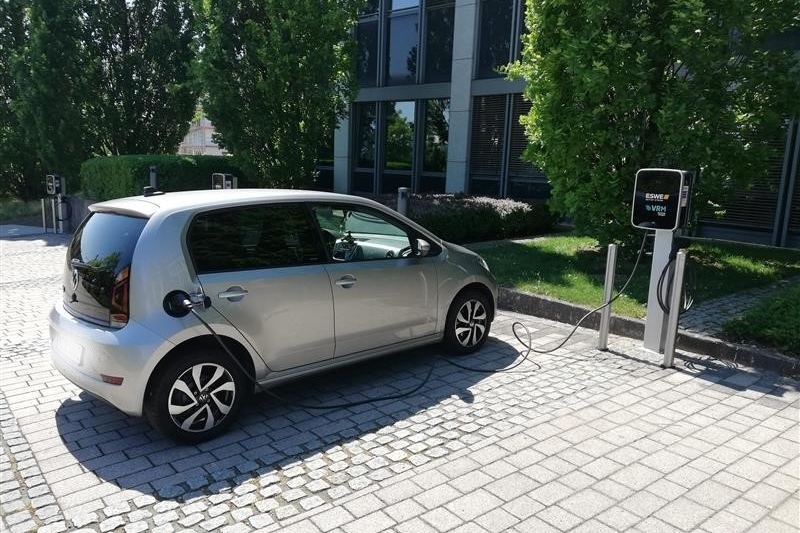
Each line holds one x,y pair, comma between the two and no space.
291,282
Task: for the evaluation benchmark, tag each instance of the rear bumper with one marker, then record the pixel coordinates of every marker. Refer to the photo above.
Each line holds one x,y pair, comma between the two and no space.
83,352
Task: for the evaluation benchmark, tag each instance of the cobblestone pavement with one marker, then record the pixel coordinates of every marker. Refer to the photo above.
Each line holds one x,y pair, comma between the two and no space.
576,440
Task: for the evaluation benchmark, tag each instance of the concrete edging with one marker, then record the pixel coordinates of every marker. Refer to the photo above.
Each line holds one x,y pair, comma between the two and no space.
544,307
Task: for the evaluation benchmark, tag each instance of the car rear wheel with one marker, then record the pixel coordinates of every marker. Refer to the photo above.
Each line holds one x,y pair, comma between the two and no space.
468,322
196,397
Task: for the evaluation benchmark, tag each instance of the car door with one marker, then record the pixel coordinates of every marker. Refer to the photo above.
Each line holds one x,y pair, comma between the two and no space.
263,268
383,293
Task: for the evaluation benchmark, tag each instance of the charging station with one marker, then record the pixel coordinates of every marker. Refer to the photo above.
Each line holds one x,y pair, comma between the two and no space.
661,202
55,187
224,181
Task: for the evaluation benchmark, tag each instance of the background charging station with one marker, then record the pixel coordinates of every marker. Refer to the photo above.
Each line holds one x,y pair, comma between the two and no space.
224,181
661,202
56,188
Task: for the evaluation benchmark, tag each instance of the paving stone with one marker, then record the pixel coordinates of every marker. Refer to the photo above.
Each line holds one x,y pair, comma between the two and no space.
608,441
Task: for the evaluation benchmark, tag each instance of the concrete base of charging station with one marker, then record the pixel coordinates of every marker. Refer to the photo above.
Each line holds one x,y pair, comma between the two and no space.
748,355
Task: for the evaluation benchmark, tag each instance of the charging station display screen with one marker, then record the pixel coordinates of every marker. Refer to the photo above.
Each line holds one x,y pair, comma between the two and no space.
657,199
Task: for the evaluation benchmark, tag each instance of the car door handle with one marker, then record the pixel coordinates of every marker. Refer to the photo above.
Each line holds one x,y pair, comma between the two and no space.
233,294
346,281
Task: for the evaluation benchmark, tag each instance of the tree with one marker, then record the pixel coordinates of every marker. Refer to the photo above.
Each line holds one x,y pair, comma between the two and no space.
142,53
91,77
278,75
49,71
20,174
618,85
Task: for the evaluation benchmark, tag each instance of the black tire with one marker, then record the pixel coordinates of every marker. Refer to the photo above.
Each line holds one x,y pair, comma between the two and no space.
468,322
196,396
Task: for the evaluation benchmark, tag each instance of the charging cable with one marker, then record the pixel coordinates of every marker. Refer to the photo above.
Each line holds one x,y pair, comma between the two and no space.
187,305
529,344
667,276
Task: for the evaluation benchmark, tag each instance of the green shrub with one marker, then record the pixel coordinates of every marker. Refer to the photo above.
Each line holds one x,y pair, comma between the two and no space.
462,219
103,178
15,208
774,322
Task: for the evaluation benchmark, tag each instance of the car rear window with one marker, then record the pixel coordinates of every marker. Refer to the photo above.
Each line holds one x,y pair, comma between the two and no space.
97,269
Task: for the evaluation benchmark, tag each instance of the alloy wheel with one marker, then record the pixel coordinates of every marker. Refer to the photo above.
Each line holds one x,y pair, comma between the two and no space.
201,397
470,323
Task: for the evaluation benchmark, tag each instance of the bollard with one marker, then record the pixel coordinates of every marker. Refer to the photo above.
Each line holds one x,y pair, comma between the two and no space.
674,310
605,314
402,200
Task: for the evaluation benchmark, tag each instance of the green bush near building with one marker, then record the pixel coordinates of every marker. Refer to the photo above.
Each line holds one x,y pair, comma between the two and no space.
103,178
463,219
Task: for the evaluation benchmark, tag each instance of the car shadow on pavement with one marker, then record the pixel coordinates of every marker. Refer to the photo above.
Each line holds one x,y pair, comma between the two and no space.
273,444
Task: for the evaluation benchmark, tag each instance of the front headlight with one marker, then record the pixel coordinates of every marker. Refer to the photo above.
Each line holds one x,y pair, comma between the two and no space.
483,263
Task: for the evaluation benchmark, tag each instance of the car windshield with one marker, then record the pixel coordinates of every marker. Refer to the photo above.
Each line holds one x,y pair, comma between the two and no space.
360,222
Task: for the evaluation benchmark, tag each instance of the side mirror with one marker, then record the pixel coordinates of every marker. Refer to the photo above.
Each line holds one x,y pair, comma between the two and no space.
423,247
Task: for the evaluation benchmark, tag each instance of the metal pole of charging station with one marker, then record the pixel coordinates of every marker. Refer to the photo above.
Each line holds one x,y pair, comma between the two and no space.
674,310
655,325
44,218
53,209
605,314
60,201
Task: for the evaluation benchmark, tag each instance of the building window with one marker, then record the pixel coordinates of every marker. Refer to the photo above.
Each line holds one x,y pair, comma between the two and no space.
399,143
323,181
437,130
525,180
496,29
488,144
403,36
497,167
440,15
367,61
366,136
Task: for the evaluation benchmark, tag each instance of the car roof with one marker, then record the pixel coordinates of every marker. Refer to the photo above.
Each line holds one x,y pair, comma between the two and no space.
165,203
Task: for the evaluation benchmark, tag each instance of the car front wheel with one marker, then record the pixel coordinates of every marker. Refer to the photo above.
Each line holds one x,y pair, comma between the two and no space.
196,397
468,322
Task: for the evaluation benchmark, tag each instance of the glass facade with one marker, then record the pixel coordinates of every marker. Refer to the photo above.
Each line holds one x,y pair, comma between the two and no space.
405,48
367,55
494,50
440,18
401,61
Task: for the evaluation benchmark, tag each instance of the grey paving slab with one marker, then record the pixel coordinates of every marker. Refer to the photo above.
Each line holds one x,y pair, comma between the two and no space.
574,440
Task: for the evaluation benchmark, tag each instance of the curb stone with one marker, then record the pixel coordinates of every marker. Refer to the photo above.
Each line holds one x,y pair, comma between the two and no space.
560,311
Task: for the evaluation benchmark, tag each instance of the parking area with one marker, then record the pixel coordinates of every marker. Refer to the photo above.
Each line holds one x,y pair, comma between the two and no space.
573,440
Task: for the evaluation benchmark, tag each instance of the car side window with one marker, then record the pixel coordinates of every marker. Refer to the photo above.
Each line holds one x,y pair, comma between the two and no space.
355,233
253,237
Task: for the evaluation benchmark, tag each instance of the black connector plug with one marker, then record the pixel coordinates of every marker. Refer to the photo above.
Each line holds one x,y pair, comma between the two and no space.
177,304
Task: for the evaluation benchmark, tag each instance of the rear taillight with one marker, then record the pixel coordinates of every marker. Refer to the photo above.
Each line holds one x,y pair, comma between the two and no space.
120,299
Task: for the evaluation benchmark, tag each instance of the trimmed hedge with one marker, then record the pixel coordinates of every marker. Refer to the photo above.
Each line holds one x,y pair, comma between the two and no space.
463,219
103,178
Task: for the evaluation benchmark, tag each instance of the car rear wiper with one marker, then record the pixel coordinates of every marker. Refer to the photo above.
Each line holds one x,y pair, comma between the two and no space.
80,265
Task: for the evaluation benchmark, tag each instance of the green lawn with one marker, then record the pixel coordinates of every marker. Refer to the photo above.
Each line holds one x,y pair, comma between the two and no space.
572,269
